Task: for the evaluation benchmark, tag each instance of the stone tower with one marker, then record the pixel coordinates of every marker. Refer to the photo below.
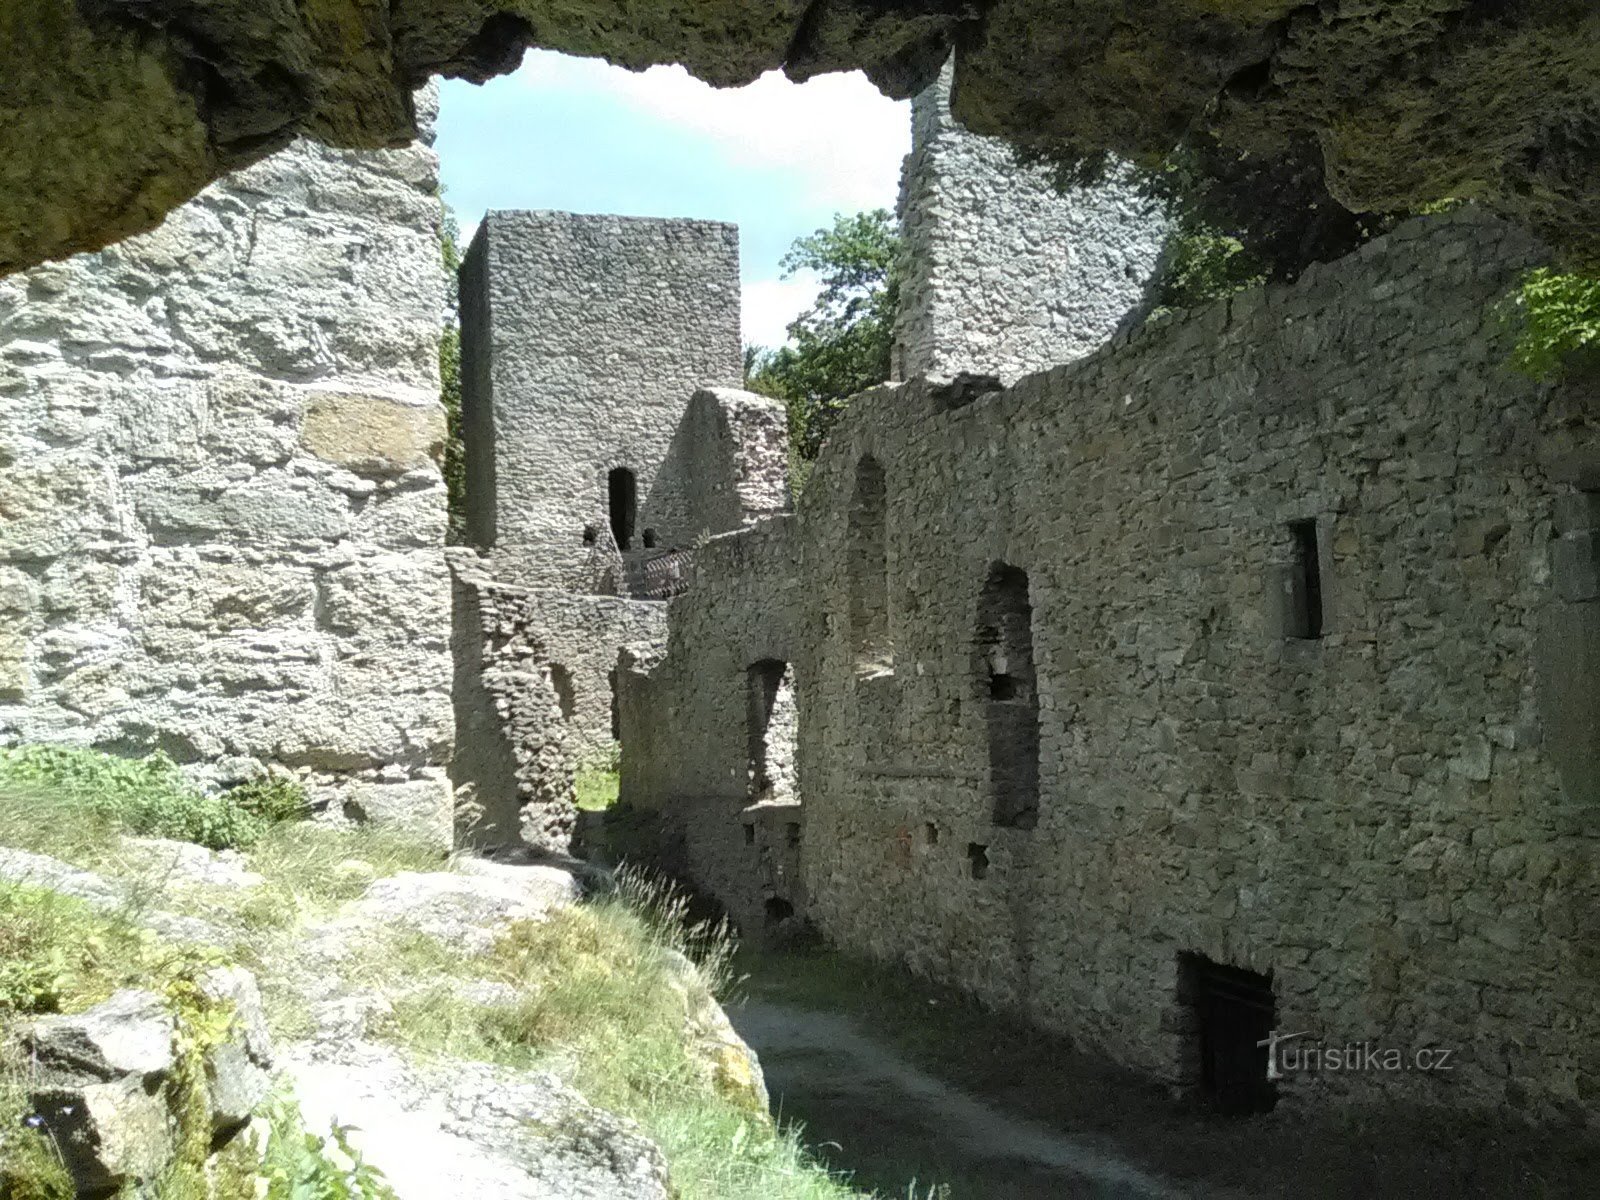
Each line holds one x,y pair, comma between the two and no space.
1002,273
582,338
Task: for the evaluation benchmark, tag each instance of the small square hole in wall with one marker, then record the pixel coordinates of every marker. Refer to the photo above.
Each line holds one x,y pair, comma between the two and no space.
930,834
1002,687
590,535
1234,1012
977,860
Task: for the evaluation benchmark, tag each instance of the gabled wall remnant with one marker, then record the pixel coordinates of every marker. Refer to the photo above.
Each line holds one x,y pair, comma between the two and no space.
1367,832
221,511
1002,274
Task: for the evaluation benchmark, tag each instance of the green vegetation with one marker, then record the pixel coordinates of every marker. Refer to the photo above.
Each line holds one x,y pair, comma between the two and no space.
59,955
298,1165
841,345
602,996
147,796
30,1166
596,780
1557,318
454,466
601,992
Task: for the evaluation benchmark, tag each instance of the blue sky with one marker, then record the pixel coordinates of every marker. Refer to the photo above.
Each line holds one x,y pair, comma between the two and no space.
776,157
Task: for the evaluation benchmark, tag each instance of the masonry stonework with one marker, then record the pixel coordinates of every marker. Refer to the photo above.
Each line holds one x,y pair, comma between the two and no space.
1001,273
221,512
1380,816
583,337
597,351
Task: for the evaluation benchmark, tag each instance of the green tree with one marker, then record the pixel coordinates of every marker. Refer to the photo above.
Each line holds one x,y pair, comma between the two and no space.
454,466
841,345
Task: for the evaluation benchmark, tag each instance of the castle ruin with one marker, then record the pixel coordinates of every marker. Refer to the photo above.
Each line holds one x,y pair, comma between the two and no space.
1179,681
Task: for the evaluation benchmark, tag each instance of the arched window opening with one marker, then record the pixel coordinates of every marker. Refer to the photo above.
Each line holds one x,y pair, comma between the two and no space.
869,570
1008,685
622,490
772,724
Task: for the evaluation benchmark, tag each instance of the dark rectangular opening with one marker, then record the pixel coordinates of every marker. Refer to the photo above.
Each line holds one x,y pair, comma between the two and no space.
1305,612
977,860
623,495
1235,1012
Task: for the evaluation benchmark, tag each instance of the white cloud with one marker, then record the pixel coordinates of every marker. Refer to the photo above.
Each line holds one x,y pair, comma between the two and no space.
838,134
770,304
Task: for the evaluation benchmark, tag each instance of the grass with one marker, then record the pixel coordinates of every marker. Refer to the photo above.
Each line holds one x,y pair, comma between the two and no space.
59,955
602,997
601,992
146,796
597,781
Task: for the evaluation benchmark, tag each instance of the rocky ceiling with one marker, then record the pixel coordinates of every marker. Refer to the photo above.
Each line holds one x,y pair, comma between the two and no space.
114,111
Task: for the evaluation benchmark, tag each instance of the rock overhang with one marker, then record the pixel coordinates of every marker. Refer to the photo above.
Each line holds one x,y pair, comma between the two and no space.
115,111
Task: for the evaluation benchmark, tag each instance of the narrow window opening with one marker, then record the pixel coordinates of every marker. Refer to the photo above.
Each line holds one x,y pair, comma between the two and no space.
867,548
566,694
616,708
1305,582
623,493
791,834
649,539
1235,1011
977,860
772,721
590,535
1008,684
930,834
749,835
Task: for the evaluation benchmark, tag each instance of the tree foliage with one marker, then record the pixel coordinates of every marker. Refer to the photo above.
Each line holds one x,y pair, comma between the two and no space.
841,345
1558,324
454,466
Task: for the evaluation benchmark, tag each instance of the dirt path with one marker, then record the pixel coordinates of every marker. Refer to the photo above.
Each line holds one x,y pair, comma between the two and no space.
894,1125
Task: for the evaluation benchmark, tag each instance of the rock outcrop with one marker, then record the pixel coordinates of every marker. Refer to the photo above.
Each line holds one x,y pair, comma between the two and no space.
115,112
100,1082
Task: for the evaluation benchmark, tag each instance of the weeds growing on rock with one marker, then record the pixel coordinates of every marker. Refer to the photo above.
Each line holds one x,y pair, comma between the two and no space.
604,997
58,955
96,795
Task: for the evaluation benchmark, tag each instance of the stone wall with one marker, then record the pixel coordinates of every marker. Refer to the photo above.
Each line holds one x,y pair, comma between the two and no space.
1001,273
729,460
533,699
1293,595
687,722
221,514
589,343
582,339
